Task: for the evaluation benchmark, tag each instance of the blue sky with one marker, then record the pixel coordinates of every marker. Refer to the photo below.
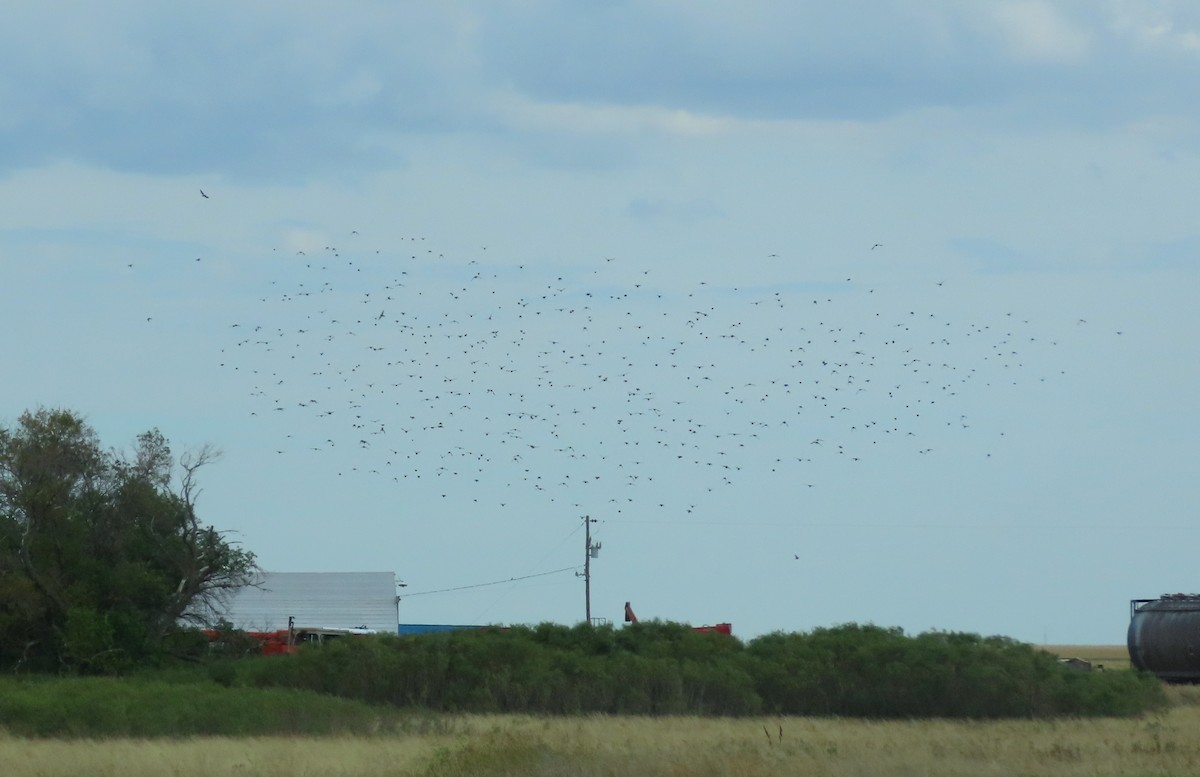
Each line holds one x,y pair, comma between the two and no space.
872,312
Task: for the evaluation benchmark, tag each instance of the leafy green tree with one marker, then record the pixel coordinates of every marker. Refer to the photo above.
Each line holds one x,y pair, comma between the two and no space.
102,555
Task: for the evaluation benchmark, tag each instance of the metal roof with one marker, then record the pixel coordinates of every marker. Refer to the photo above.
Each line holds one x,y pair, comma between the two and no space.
334,600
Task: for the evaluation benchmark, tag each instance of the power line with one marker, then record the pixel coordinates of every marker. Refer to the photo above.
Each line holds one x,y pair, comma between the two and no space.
496,582
1090,527
501,596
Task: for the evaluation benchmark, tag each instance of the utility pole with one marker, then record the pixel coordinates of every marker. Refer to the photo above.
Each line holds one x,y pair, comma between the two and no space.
590,552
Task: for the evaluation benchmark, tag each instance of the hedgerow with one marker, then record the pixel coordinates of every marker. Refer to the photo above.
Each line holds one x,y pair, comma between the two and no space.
669,669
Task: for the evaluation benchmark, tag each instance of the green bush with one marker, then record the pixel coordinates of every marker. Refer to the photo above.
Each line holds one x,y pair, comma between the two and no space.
868,671
668,669
360,684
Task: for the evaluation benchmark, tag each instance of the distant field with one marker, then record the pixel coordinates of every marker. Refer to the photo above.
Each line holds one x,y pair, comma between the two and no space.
1110,656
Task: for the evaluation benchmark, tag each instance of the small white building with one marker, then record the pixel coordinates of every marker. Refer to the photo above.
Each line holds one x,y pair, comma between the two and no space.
329,600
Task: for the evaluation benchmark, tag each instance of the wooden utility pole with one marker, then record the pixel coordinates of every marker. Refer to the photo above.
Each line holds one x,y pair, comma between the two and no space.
588,550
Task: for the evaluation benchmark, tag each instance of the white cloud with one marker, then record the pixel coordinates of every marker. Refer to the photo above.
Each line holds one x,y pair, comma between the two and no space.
309,241
1161,30
1034,31
283,97
352,89
580,118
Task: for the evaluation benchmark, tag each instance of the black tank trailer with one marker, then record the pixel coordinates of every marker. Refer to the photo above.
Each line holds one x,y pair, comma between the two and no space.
1164,637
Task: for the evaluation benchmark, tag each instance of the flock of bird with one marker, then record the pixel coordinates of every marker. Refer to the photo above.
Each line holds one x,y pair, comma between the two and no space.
604,387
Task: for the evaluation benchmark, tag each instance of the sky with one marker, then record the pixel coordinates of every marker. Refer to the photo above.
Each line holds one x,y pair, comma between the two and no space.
870,312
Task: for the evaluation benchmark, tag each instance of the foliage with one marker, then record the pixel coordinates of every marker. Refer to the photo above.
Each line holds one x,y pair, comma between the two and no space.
101,554
151,707
869,671
382,683
646,669
669,669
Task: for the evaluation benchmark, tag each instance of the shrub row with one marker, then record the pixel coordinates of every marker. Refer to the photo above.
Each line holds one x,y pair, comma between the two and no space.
667,669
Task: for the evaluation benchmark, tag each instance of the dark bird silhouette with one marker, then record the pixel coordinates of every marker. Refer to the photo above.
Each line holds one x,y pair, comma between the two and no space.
202,194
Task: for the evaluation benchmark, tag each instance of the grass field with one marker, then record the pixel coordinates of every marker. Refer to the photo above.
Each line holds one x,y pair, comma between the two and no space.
494,746
1108,656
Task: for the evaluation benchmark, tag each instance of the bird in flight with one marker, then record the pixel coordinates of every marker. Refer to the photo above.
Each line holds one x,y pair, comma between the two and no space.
202,194
877,245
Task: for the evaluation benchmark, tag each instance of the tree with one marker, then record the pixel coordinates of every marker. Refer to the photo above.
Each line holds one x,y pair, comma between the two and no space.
102,555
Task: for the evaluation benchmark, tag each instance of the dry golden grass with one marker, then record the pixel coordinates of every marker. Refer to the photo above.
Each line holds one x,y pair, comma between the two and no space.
1184,695
1163,744
209,757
